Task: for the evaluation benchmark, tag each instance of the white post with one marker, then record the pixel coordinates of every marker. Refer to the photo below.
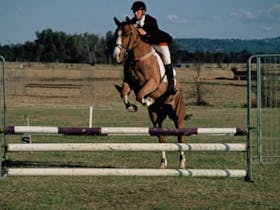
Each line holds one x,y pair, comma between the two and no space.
90,117
26,137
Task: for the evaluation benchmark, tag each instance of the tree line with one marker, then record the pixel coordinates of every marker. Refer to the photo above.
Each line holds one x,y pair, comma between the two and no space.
56,46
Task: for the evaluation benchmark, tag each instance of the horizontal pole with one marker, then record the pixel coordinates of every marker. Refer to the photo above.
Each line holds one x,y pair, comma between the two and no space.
67,147
123,131
124,172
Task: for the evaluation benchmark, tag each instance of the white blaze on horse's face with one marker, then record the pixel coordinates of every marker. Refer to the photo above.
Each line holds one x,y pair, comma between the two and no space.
117,50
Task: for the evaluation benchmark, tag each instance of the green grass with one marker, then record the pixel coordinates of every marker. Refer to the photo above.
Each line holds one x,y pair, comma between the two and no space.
141,192
134,192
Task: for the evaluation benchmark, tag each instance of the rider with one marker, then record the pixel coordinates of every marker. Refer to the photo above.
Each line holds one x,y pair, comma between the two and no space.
160,40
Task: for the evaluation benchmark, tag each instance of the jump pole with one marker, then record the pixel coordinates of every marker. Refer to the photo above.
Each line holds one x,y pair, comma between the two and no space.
124,172
105,147
123,131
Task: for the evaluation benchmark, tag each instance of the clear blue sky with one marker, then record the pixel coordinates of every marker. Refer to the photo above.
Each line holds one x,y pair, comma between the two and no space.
242,19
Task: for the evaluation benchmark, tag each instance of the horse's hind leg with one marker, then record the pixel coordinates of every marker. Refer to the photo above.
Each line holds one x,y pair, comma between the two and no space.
163,159
157,118
179,121
182,158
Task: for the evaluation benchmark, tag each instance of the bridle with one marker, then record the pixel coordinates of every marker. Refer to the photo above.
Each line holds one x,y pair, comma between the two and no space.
131,45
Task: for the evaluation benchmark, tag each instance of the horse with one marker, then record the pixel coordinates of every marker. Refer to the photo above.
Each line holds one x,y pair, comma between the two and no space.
142,75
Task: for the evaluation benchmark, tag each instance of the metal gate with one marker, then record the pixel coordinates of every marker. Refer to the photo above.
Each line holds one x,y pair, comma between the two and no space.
264,107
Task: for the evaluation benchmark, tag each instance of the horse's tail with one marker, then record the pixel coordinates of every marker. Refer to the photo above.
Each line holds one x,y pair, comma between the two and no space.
181,107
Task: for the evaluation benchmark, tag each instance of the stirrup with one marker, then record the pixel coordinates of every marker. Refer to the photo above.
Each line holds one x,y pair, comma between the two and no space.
172,90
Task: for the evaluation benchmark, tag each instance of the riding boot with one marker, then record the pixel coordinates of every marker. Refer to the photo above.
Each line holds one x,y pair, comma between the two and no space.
170,78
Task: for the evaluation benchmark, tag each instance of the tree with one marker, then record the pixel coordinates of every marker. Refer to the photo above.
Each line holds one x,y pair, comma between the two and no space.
19,52
110,44
175,53
219,57
57,46
199,58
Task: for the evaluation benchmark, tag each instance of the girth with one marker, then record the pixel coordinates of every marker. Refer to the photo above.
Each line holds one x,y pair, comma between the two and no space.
144,57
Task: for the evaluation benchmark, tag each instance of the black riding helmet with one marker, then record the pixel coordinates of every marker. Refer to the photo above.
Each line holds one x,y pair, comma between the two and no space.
138,5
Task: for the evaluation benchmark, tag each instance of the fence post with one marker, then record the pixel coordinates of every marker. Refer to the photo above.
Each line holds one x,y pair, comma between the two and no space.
264,117
3,119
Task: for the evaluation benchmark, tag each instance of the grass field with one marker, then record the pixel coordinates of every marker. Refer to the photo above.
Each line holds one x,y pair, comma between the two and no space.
46,103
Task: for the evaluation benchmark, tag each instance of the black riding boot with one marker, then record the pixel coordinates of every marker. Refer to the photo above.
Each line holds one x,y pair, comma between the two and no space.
170,78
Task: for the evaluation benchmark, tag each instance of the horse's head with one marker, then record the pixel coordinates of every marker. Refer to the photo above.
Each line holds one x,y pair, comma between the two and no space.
126,35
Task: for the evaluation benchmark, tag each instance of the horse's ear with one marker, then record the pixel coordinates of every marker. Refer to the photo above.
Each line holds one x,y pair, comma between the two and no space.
127,19
117,21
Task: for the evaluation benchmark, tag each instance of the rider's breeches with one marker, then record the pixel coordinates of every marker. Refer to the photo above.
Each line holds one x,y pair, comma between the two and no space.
164,53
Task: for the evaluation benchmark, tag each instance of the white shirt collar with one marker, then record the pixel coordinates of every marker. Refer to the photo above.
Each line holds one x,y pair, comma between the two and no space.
141,22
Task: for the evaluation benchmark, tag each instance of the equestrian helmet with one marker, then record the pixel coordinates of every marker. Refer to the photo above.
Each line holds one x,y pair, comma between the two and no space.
138,5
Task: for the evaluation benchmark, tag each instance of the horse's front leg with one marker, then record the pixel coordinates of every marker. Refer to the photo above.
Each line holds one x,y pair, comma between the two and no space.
163,159
149,87
124,92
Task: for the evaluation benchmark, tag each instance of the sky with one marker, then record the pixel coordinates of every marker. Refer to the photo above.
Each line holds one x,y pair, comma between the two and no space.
214,19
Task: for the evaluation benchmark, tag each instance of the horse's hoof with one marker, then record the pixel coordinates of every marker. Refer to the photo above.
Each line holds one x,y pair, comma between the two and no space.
163,163
132,108
148,101
162,166
182,166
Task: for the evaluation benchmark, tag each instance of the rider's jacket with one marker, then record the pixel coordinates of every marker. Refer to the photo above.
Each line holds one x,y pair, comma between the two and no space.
154,34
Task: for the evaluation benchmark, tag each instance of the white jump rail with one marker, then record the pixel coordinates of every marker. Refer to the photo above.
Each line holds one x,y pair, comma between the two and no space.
124,172
72,147
47,147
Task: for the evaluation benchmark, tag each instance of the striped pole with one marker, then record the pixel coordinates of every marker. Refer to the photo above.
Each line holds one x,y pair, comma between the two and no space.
123,131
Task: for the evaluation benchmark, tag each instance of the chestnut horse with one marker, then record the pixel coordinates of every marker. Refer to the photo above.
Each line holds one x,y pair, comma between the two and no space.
144,78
